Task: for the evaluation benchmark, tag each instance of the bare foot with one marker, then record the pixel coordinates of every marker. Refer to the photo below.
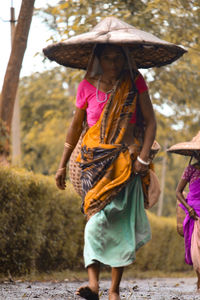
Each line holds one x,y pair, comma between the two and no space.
198,281
114,296
198,286
87,292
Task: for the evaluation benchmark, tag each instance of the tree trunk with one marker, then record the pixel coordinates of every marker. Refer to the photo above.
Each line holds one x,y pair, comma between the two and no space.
16,143
11,78
163,175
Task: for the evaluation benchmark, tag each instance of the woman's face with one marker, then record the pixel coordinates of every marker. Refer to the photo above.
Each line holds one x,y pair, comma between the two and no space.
112,61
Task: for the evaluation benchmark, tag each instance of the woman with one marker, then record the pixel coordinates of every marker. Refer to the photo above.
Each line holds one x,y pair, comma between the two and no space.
191,206
114,98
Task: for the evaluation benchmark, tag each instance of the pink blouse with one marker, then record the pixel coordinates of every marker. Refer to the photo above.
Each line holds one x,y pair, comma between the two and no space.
86,99
191,174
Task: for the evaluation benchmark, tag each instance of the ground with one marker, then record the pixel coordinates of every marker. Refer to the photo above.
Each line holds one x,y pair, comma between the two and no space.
139,289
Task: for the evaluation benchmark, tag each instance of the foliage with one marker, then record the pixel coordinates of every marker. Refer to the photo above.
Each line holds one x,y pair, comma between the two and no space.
41,229
46,112
166,249
175,167
175,164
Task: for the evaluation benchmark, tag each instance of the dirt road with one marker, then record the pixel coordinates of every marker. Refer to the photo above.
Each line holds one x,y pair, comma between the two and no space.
139,289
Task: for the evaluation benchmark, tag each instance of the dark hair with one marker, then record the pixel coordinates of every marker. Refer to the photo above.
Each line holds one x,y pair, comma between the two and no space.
100,47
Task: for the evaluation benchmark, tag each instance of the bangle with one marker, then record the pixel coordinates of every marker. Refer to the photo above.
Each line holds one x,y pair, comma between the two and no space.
69,146
146,163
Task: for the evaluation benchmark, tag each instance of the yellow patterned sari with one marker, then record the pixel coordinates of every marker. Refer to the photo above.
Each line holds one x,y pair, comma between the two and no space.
105,161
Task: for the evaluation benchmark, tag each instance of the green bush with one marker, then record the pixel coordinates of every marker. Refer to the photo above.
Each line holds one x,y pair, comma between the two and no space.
41,229
166,249
40,226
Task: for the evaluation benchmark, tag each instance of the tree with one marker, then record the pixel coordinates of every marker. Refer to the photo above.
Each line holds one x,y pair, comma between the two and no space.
169,167
11,78
46,112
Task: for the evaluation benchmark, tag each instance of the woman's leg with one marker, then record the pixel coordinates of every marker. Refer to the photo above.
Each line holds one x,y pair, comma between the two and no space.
198,282
116,279
93,276
93,286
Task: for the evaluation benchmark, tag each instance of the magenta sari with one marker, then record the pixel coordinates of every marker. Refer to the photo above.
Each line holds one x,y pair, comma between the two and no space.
193,199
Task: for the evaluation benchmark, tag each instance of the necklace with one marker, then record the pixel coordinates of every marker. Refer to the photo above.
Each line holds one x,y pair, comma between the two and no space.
97,92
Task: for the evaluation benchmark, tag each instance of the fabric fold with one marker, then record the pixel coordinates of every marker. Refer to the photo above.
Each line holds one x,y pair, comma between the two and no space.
114,234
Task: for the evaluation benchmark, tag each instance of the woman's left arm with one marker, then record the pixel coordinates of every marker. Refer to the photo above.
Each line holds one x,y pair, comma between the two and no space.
179,194
150,130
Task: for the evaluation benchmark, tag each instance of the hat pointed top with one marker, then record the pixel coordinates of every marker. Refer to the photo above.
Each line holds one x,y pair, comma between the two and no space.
111,24
196,138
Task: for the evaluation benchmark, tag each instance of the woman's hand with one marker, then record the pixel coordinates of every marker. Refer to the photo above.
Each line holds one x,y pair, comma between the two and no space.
140,168
73,134
60,178
192,213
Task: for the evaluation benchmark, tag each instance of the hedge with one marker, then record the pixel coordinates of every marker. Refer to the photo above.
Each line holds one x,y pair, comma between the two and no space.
165,251
41,229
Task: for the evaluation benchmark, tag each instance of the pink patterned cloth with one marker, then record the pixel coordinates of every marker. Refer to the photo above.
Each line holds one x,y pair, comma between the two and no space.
193,200
191,174
86,99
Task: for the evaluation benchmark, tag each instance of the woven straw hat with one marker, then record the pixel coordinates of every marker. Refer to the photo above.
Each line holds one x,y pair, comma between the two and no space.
187,148
146,49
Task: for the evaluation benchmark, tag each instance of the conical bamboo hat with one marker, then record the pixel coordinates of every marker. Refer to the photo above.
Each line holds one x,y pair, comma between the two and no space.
146,49
187,148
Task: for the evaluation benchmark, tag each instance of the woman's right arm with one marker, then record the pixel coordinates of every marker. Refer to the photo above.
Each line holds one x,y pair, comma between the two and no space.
72,138
179,194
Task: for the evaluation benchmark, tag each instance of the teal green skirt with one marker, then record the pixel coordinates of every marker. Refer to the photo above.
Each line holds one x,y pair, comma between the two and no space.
113,235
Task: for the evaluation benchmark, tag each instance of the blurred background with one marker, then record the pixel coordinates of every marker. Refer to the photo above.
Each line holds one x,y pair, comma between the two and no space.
43,108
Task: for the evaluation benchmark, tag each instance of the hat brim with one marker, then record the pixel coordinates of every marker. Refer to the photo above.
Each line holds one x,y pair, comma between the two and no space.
146,55
187,148
188,152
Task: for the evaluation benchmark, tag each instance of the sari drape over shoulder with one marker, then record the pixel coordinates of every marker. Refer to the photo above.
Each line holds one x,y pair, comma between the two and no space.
106,163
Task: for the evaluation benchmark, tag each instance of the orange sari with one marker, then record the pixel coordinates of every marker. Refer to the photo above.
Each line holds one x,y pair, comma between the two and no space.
106,163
